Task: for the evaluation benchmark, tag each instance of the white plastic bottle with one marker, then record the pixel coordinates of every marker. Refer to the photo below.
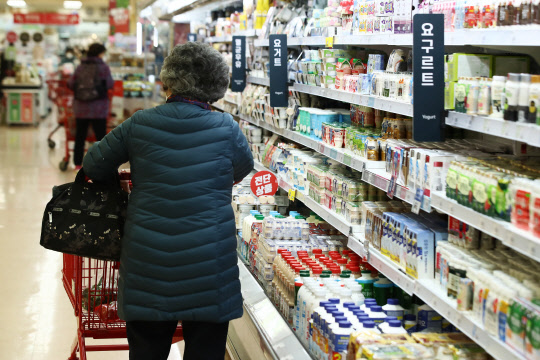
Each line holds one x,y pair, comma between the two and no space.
301,301
409,323
369,325
385,324
497,91
523,101
357,295
377,314
511,97
392,308
319,294
340,340
395,328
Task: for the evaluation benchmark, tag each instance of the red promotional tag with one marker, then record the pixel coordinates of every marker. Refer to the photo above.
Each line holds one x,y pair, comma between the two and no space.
264,183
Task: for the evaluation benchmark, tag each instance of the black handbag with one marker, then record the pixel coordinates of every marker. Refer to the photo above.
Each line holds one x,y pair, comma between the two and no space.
85,219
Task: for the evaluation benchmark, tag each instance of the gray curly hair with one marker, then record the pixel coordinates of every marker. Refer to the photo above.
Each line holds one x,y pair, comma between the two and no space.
196,71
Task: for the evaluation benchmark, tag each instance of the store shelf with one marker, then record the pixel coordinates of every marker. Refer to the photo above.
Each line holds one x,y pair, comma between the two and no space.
258,80
380,179
228,38
511,36
358,246
506,36
433,295
218,107
511,236
527,133
393,106
274,330
340,155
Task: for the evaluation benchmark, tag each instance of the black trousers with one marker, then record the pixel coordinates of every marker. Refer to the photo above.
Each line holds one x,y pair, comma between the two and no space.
100,128
151,340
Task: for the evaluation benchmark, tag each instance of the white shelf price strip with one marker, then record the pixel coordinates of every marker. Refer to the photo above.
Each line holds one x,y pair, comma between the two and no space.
528,133
258,80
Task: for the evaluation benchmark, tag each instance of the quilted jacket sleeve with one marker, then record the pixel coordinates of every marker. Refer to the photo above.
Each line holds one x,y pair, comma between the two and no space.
104,157
242,157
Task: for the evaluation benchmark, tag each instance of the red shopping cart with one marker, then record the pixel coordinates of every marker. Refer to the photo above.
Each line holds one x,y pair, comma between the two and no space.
57,89
92,288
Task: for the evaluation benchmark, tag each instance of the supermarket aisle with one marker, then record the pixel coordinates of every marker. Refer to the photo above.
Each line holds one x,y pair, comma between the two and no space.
37,317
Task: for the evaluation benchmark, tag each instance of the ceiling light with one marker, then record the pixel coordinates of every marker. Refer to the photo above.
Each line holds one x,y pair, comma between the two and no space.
16,3
72,5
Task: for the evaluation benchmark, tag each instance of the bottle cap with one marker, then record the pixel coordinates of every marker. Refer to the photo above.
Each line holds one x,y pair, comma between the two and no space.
323,303
341,261
304,273
325,276
344,324
358,312
513,77
368,324
394,323
390,318
348,304
525,78
336,313
334,301
344,276
317,251
340,318
370,300
317,270
376,308
393,302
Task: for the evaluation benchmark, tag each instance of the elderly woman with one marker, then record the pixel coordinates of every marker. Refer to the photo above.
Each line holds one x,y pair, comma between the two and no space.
179,247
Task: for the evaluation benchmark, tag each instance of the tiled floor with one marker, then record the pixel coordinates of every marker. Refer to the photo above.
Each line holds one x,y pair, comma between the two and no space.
36,317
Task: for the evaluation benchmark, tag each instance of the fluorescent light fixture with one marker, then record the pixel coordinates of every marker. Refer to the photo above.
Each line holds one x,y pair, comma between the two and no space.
156,37
16,3
139,39
72,5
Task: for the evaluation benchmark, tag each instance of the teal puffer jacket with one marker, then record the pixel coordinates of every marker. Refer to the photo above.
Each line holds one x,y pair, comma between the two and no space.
179,247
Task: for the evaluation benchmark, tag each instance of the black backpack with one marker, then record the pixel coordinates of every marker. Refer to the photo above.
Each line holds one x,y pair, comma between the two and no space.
88,85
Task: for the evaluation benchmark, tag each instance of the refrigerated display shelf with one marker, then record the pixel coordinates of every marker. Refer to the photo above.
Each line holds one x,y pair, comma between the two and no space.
433,295
511,236
397,107
258,80
274,330
527,133
228,38
340,155
511,36
381,179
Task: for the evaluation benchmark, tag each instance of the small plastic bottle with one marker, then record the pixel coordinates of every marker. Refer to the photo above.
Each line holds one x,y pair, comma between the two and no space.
377,314
392,308
511,97
523,101
395,328
409,323
369,325
385,324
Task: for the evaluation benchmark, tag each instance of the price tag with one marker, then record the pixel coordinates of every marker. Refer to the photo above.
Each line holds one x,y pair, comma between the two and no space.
321,148
371,101
347,159
333,153
505,128
330,42
292,194
340,156
485,126
417,201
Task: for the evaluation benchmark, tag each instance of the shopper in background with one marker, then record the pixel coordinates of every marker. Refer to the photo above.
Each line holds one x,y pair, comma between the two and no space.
90,83
179,247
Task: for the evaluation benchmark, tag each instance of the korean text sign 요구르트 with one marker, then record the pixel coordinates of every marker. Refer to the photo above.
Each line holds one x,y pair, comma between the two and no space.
278,71
428,83
238,82
264,183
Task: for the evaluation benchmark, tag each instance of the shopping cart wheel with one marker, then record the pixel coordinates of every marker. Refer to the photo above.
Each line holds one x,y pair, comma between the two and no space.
63,165
52,144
